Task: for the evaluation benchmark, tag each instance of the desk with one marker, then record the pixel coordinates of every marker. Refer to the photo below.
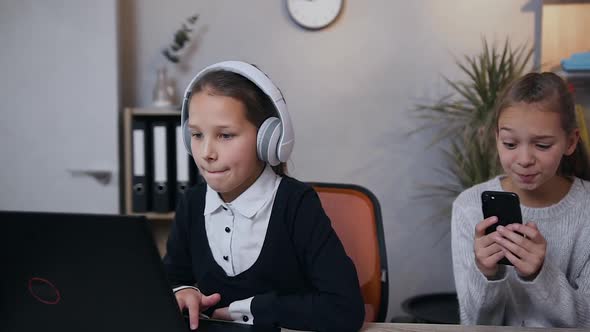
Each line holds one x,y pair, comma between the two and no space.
399,327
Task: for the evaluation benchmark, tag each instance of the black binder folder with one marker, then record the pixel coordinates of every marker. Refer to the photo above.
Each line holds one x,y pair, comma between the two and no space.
139,169
163,172
183,161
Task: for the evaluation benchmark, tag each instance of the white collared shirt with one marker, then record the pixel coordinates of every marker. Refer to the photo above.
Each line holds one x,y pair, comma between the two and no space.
236,231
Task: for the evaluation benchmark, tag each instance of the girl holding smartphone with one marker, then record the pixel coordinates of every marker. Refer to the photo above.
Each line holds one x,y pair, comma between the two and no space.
545,163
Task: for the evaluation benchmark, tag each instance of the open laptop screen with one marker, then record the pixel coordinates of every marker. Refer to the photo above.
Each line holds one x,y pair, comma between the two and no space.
82,272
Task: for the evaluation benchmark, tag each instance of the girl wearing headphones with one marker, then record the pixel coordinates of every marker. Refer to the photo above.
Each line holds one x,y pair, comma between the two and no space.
256,243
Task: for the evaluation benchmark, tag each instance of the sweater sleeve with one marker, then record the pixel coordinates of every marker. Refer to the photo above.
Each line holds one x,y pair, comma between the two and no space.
177,261
481,301
335,303
562,303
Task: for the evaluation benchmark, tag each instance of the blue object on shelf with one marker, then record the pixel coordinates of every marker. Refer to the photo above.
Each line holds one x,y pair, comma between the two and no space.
577,62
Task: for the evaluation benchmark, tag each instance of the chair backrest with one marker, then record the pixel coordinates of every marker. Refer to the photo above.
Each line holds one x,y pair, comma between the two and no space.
356,217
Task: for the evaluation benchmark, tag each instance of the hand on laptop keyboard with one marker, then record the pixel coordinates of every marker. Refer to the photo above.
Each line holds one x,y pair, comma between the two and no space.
192,300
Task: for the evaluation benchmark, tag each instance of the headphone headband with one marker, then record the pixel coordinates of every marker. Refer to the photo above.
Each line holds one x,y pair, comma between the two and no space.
287,138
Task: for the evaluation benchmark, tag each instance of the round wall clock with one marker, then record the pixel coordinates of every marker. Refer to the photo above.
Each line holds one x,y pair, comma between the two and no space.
314,14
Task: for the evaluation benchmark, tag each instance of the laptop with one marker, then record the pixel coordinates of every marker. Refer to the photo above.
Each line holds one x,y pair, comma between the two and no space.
85,272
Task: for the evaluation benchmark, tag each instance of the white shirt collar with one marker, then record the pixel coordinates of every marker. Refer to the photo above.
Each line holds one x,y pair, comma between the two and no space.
250,201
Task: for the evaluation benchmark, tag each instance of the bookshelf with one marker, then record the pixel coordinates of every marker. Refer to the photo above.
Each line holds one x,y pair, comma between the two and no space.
158,222
126,172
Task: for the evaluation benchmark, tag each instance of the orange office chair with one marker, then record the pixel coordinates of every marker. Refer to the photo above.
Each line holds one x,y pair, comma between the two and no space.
356,217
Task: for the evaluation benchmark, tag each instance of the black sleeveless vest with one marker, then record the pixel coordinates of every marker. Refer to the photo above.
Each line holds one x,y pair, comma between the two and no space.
277,268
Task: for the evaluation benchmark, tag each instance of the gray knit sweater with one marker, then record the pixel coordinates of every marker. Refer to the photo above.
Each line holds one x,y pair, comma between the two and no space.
560,294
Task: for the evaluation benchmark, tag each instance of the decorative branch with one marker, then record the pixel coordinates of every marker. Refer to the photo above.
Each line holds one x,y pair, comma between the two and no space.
181,39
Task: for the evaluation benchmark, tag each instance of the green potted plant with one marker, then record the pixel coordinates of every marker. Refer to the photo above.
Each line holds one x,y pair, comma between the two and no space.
464,119
164,92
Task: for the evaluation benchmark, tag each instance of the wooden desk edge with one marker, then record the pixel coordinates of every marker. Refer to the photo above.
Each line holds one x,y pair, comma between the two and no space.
407,327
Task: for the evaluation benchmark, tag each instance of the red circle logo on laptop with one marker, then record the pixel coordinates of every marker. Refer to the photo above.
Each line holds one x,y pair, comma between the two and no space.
44,291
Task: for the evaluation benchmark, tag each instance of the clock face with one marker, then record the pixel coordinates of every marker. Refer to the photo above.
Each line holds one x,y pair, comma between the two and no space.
314,14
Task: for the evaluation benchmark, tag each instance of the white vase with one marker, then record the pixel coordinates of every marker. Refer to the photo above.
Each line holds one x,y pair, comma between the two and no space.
163,94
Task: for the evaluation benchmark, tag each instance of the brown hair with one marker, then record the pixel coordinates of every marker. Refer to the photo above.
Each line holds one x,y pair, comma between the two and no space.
550,90
259,106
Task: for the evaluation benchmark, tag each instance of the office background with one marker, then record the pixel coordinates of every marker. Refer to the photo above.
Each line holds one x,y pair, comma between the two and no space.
68,67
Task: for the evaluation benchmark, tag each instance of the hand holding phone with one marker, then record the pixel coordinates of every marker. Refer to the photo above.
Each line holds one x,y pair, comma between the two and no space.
487,252
505,206
525,248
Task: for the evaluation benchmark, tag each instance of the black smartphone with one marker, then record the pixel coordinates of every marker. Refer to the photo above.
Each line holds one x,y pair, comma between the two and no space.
504,205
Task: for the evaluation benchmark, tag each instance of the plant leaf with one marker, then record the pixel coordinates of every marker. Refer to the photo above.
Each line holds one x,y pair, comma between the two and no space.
464,119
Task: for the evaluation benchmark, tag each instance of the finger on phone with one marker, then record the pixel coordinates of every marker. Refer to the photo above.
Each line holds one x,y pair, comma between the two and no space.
497,256
515,244
485,241
490,250
480,228
509,234
529,230
516,262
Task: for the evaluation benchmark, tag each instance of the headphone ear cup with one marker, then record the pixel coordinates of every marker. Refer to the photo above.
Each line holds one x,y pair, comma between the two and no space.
186,137
186,134
267,141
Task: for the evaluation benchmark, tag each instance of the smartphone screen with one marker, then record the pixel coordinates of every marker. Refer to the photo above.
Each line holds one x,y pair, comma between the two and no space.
504,205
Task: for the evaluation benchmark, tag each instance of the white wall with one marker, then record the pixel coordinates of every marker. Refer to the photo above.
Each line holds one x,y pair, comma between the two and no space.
349,90
59,101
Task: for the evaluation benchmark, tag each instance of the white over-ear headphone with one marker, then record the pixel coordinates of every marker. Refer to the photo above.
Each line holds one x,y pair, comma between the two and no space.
275,136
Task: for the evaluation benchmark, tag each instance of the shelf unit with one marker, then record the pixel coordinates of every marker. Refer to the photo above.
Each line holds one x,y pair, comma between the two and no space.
575,75
126,179
159,222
